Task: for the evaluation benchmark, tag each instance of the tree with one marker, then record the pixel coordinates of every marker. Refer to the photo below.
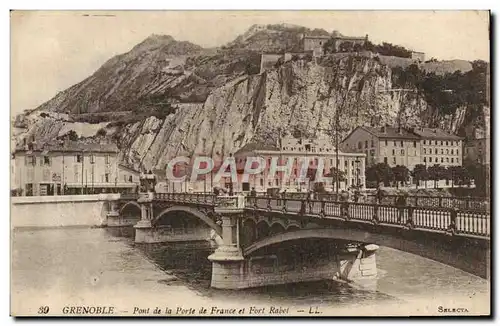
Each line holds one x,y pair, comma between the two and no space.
334,174
401,174
436,173
419,173
72,135
457,174
329,46
380,172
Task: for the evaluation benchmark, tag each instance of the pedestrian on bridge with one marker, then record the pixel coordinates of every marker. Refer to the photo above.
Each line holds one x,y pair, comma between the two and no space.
379,195
253,195
310,198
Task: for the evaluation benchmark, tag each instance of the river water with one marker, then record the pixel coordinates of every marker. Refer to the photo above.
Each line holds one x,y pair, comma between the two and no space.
84,266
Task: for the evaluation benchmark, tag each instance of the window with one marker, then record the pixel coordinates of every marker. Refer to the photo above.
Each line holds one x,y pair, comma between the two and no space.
345,163
366,143
425,151
106,177
441,143
261,182
393,152
130,179
446,143
79,158
442,160
395,144
414,144
46,160
447,160
394,160
435,151
424,160
442,151
402,145
92,159
452,151
447,151
386,143
373,143
360,144
308,147
106,159
352,163
33,160
425,142
385,160
402,152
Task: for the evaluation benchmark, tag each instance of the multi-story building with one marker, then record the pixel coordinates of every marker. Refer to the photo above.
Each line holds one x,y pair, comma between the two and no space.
439,147
295,150
71,168
408,147
394,146
477,150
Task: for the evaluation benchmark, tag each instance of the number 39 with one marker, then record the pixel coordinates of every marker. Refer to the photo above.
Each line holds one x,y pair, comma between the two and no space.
43,310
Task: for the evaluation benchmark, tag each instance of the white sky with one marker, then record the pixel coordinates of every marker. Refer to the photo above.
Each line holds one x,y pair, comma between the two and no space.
50,51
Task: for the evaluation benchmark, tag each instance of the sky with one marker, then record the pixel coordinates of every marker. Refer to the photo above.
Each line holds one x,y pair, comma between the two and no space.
51,51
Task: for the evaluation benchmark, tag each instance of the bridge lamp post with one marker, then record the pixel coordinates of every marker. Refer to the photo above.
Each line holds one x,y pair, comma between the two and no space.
357,173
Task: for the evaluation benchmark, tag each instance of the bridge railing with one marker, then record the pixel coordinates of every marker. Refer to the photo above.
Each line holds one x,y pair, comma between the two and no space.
440,219
195,198
469,203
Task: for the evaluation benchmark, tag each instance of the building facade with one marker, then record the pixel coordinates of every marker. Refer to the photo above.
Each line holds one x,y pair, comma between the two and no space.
477,150
316,43
71,168
439,147
408,147
293,151
394,146
418,56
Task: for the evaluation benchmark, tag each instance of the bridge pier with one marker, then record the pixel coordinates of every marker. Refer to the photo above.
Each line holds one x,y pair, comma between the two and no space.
358,266
227,261
115,219
144,228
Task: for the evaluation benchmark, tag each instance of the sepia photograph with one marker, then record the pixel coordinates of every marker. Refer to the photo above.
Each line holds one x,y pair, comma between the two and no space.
250,163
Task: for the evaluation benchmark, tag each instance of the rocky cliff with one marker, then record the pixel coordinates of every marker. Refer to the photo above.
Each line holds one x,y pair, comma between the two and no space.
215,102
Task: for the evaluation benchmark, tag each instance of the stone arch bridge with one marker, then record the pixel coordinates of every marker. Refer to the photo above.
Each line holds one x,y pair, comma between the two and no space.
264,241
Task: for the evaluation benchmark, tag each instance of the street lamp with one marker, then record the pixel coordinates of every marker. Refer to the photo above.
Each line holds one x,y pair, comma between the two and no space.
357,173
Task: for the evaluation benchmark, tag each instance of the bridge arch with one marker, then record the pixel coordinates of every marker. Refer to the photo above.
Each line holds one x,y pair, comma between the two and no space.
192,211
130,203
465,254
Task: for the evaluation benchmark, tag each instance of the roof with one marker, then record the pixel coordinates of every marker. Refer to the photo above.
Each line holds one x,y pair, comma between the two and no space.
72,147
436,133
391,133
255,146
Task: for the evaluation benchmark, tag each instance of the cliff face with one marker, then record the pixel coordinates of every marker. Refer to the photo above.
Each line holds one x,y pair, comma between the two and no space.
221,103
299,97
